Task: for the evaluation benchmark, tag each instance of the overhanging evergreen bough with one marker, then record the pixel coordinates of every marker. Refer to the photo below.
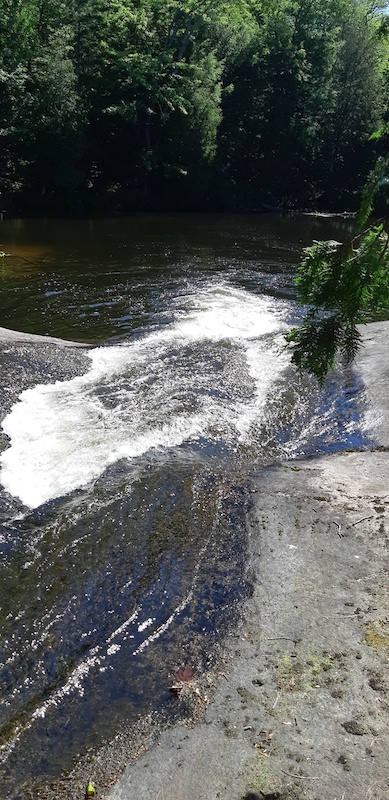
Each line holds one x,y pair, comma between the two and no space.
343,284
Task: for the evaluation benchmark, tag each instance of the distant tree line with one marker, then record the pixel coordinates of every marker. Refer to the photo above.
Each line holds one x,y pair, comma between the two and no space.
117,105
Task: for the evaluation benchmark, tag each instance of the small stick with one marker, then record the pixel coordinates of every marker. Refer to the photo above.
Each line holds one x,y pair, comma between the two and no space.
339,528
300,777
276,701
361,520
284,638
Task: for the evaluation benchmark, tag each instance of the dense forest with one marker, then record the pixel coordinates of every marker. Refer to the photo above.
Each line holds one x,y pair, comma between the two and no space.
110,106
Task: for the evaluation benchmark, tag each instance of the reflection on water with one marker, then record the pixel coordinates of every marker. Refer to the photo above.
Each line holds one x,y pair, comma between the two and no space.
106,279
125,467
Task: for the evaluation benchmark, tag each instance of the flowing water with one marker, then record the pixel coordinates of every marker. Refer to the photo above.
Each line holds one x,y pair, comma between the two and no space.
125,464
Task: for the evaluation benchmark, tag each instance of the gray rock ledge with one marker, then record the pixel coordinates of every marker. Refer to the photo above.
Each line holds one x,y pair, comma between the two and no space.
17,337
301,707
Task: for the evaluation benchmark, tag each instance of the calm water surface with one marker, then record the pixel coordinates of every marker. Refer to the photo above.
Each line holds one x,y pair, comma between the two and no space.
125,465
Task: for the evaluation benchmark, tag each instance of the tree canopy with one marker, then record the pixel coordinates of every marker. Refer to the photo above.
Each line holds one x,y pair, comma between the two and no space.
114,105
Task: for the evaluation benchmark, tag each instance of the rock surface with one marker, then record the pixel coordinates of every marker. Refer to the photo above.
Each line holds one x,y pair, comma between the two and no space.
300,707
18,337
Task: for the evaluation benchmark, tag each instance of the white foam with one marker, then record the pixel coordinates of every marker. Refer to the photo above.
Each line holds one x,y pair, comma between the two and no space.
134,398
230,313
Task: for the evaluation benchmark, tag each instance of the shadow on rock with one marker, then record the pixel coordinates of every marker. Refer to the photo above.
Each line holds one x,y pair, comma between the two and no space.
253,796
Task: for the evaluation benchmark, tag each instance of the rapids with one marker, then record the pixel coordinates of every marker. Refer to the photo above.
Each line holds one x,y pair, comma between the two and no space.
125,467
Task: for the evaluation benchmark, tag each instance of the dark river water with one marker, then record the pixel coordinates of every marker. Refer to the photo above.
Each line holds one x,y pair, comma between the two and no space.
125,465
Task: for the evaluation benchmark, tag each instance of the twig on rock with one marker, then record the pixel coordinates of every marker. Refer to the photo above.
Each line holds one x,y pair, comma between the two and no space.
364,519
300,777
339,528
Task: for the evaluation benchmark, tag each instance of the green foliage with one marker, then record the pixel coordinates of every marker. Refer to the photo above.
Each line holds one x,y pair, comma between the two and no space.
39,107
309,88
343,284
376,178
118,104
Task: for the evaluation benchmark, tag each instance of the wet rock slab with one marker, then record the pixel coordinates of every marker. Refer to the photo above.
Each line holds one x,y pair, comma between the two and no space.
300,708
27,359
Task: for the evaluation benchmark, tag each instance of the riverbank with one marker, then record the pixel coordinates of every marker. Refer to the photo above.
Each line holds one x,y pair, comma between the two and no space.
300,705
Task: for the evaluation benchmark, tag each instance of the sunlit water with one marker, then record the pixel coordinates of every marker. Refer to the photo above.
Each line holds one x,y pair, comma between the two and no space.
125,466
